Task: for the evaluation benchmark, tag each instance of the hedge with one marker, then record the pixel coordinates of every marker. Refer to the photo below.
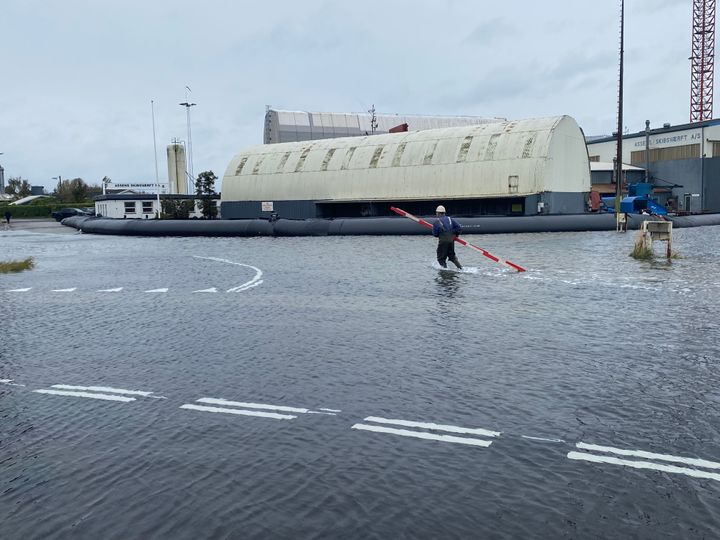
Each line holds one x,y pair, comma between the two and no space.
38,210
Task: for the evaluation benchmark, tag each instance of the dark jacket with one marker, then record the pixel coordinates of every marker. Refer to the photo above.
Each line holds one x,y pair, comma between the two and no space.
446,228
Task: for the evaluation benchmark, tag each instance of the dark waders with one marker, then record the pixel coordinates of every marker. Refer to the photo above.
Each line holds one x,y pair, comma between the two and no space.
446,249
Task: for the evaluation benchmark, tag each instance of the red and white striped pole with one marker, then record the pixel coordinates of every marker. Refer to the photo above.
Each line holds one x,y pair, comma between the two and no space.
484,252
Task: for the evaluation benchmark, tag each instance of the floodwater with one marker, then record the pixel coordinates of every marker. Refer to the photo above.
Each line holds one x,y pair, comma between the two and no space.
346,388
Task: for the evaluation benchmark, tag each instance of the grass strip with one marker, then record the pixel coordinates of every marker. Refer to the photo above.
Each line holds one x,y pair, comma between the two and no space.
16,266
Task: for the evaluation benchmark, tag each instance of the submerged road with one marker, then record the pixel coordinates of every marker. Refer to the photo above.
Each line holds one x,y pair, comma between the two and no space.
350,389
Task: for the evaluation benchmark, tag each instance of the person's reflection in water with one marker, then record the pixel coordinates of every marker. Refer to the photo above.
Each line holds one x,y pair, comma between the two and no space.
447,317
448,283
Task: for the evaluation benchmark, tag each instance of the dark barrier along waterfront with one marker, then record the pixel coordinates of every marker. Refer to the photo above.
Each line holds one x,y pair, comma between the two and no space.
364,226
344,387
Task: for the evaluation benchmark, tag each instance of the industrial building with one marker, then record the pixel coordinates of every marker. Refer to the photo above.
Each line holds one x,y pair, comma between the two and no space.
521,167
140,205
291,126
683,163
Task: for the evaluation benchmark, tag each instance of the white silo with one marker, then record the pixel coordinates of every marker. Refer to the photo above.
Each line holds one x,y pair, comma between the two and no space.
177,167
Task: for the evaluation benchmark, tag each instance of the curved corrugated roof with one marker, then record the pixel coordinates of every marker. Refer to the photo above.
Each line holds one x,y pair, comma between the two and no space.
495,159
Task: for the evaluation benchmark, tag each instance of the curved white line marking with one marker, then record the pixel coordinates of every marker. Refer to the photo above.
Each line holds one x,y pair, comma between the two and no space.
116,289
256,280
162,290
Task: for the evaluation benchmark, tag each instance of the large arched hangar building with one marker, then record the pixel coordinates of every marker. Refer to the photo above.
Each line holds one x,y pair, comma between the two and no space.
502,168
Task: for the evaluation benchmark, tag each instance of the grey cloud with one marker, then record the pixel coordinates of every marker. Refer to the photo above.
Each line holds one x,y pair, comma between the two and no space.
488,30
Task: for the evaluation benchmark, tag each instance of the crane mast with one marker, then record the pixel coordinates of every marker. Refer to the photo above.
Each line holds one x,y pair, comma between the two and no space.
702,60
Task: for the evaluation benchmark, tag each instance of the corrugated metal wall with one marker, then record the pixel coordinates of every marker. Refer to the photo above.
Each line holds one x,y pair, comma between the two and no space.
292,126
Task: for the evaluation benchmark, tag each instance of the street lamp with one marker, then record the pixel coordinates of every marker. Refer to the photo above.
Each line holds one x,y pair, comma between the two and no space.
187,106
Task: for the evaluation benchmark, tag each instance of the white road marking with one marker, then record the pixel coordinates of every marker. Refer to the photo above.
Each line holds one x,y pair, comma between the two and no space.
107,389
26,289
164,289
71,289
248,284
423,435
105,397
542,439
10,382
329,410
246,287
650,455
216,401
116,289
437,427
322,412
237,411
643,465
210,290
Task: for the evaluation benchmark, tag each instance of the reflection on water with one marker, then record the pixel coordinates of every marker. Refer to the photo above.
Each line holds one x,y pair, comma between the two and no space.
448,282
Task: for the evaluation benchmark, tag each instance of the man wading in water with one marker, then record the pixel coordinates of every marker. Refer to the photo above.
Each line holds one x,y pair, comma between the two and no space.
445,229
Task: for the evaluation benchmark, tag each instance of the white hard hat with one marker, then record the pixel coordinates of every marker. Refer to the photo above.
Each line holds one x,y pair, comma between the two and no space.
440,209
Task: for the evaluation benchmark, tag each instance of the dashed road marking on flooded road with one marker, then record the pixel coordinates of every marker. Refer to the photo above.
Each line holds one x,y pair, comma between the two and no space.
106,393
108,389
264,410
645,463
89,395
542,439
210,290
246,405
430,426
241,288
472,436
9,382
242,412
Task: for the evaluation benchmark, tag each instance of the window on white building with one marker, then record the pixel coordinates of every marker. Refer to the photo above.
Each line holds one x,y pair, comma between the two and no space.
130,207
147,207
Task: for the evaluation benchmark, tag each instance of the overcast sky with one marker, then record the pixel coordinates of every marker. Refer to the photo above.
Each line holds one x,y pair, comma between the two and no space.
78,75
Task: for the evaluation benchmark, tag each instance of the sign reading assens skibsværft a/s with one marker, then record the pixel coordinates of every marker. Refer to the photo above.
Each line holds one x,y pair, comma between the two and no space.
661,141
142,188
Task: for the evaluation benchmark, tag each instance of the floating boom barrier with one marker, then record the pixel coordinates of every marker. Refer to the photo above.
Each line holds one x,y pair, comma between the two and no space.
460,241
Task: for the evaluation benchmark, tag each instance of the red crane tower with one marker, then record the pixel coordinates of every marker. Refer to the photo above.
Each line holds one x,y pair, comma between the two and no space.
703,60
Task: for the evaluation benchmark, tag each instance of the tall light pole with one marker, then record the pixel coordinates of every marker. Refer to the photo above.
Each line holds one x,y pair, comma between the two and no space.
157,176
187,105
2,178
